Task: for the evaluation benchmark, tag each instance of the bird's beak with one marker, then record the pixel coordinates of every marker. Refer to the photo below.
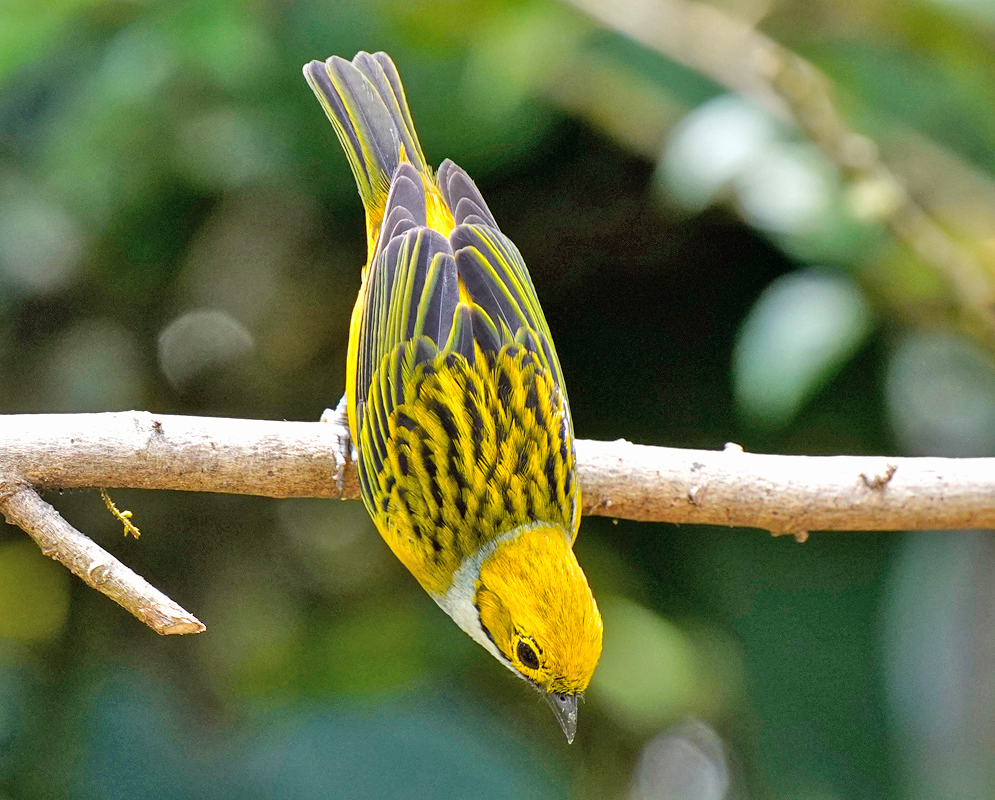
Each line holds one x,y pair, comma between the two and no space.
565,708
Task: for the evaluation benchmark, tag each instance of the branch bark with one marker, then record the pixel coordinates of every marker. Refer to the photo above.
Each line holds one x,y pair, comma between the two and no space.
781,494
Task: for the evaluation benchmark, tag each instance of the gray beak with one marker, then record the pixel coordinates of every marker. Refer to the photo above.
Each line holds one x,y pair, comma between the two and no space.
565,708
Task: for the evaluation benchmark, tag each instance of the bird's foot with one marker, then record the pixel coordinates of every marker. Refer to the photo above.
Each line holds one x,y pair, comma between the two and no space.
341,439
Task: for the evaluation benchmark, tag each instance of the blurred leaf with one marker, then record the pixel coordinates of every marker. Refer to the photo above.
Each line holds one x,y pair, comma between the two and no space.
519,51
224,41
914,88
29,29
728,150
790,189
137,63
442,26
650,670
801,330
687,87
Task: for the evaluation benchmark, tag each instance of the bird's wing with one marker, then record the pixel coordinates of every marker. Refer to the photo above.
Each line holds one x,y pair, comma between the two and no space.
409,305
493,274
424,294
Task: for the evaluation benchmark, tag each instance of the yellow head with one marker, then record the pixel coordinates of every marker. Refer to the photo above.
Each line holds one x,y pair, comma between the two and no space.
537,609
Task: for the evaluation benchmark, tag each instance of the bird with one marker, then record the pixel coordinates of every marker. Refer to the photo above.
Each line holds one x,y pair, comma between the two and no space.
455,409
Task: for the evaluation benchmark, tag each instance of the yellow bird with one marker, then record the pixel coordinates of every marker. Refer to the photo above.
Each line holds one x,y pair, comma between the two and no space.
455,399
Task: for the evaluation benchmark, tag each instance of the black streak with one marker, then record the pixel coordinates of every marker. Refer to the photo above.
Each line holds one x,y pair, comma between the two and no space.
454,471
551,473
504,387
404,421
532,397
523,461
476,425
446,419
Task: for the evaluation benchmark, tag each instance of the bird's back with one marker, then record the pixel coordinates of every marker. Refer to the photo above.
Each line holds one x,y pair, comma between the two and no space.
478,447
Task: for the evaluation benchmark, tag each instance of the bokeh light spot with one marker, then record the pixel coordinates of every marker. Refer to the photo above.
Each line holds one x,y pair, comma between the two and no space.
199,341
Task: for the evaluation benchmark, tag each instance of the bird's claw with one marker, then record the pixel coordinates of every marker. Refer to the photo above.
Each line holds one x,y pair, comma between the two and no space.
342,448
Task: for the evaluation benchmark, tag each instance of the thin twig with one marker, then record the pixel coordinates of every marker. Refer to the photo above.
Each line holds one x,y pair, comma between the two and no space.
124,517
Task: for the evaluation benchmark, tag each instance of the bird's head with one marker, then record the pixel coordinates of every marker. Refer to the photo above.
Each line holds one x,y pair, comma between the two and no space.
537,609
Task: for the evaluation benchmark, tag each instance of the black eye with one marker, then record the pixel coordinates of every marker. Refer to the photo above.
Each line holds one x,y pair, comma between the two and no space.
527,655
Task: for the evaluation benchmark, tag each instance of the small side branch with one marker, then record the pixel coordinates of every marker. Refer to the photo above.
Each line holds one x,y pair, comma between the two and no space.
57,539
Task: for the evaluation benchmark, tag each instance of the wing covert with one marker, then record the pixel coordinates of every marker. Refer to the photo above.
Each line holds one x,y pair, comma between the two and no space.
494,276
463,197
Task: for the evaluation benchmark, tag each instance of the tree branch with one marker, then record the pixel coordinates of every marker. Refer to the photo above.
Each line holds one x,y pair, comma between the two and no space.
785,494
781,494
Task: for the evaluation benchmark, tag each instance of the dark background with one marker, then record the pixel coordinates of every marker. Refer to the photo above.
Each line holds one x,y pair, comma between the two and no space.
179,232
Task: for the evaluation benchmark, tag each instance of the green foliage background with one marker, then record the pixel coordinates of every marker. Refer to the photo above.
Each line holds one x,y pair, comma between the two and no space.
180,233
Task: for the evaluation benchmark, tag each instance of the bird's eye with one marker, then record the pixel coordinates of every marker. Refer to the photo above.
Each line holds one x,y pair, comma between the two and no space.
527,655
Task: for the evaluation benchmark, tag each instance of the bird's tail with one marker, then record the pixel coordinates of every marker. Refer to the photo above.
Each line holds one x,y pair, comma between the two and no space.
364,100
